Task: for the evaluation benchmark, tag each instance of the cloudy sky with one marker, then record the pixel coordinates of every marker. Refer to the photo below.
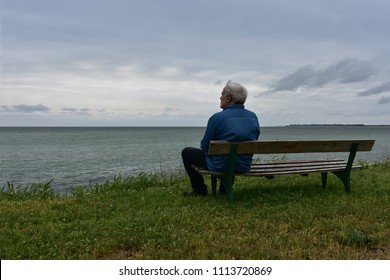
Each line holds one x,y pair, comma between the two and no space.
165,62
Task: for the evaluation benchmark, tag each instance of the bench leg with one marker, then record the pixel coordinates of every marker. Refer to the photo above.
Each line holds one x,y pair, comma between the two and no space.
345,177
324,177
230,188
228,183
214,184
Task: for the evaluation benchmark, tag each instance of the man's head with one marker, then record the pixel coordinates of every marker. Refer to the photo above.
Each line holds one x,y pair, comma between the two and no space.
233,93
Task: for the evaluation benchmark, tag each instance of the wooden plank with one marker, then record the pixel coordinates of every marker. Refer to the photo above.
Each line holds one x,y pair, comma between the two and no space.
303,172
305,165
287,168
293,168
285,147
302,169
298,163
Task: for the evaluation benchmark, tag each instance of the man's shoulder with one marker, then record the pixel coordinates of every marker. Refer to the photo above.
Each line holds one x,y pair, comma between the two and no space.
249,112
217,115
241,111
236,111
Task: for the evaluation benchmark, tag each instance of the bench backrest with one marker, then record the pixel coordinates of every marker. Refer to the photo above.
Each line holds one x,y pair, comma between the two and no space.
293,146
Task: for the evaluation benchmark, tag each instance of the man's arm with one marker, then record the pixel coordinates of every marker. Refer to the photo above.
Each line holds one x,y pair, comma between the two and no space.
208,135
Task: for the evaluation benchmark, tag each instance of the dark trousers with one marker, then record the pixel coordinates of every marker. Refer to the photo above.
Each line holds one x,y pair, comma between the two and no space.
195,156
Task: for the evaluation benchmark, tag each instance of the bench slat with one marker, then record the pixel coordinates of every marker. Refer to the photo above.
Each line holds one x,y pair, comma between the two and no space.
299,163
298,168
285,147
302,170
283,168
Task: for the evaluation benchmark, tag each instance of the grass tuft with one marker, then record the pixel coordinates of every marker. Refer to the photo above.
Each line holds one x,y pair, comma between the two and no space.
35,190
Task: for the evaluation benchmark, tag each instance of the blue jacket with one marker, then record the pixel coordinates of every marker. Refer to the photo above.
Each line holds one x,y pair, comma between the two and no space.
234,123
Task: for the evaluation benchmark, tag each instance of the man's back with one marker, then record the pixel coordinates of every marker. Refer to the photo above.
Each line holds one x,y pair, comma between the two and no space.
234,123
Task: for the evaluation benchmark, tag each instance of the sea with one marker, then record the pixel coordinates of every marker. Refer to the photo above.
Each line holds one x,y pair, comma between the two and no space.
80,156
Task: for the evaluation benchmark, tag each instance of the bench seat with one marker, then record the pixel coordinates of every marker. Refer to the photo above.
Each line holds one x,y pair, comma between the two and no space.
302,167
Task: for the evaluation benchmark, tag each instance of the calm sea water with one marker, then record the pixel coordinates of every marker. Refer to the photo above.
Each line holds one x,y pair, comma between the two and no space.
77,156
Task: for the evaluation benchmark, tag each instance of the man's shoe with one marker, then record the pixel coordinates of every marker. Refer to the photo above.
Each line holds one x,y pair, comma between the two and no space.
193,193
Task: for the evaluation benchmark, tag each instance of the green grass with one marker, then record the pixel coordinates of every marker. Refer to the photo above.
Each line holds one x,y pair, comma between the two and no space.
146,217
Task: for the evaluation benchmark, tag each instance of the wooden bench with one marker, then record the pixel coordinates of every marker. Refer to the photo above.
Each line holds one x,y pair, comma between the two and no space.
340,167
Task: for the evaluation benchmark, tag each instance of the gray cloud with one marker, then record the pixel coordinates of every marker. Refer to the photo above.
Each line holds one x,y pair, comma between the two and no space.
76,111
70,110
376,90
171,108
301,77
384,100
22,108
348,70
4,108
80,112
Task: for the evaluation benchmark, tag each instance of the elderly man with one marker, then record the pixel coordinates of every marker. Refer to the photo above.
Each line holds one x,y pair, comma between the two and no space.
233,123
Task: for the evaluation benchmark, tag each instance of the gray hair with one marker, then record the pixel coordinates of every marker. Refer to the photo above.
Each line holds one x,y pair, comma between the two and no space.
236,91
